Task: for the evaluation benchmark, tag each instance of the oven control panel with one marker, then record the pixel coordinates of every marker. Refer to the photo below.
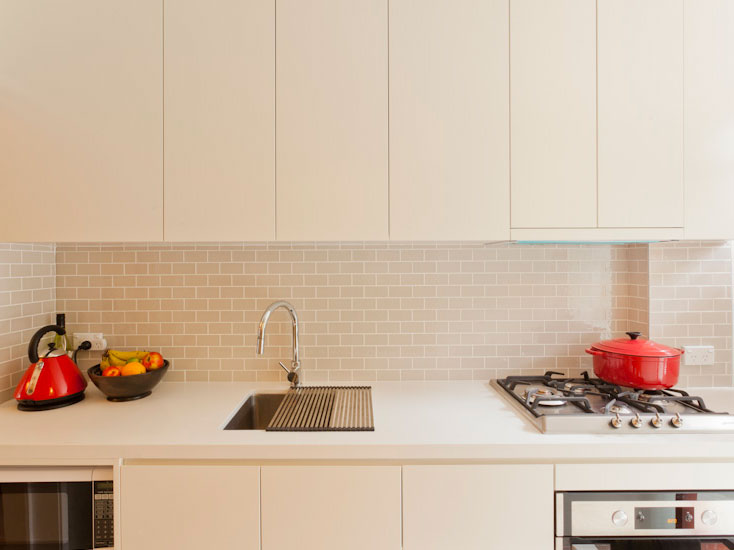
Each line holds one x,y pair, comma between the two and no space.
665,517
103,515
644,514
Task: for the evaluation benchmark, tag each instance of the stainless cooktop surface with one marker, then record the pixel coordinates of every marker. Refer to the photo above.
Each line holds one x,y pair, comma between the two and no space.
557,404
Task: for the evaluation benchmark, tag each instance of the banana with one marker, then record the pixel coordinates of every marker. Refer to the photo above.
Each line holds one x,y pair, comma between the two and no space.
119,358
112,360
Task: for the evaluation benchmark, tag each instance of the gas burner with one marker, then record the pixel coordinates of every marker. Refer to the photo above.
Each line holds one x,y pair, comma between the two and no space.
618,408
652,398
543,396
577,388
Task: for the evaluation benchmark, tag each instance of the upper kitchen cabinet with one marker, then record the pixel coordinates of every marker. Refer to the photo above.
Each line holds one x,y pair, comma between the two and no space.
331,123
219,120
553,76
640,68
709,118
81,110
449,118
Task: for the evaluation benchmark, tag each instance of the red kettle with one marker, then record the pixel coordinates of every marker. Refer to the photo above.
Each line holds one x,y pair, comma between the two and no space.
52,381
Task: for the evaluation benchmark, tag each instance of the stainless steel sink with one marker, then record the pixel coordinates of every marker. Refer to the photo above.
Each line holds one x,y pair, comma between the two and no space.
307,409
256,412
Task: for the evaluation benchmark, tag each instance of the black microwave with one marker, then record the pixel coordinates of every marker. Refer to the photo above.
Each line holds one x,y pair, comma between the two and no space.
56,509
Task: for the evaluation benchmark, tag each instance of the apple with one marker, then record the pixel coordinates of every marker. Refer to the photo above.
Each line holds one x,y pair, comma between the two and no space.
111,371
153,361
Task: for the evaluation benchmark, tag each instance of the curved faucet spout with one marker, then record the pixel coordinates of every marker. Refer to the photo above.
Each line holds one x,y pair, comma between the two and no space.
293,375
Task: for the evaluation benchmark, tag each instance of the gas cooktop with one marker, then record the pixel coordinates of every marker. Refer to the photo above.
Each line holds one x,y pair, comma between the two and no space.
556,404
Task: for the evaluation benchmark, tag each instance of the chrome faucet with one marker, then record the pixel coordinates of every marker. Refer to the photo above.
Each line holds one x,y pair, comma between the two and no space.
293,374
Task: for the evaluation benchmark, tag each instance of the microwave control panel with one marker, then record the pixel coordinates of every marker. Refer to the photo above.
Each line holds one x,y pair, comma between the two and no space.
103,515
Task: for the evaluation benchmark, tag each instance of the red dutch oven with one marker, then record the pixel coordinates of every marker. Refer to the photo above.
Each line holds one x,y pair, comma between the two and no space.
636,363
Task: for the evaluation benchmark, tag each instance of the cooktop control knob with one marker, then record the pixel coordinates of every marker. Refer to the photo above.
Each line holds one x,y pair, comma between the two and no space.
657,422
619,518
616,422
676,421
709,517
636,422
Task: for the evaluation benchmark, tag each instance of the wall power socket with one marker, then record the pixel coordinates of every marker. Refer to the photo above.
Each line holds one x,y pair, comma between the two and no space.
96,338
698,355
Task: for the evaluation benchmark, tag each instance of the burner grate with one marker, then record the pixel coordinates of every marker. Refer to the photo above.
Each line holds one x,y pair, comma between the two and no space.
576,391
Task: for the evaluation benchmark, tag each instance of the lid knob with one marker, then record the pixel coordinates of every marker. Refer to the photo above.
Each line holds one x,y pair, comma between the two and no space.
633,335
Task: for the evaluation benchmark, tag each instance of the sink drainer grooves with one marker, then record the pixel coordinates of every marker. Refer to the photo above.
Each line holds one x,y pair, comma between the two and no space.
324,409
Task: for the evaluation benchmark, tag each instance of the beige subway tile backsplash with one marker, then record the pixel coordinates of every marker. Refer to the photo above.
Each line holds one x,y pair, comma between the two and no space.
690,303
370,311
27,302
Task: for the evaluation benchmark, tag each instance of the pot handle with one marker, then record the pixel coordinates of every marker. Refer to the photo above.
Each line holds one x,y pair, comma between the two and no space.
633,335
592,351
36,339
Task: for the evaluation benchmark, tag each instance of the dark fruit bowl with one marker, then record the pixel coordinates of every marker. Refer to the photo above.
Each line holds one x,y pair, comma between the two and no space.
127,388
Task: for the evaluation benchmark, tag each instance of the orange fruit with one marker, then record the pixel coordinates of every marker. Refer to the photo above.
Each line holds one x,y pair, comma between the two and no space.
132,368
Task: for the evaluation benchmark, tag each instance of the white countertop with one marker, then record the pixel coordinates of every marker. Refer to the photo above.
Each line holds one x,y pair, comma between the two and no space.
414,421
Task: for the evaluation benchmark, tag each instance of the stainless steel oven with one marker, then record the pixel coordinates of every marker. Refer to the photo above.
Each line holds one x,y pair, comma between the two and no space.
59,509
685,520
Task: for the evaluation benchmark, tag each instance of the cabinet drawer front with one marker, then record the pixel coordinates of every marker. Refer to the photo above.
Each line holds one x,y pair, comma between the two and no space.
644,477
478,507
330,507
190,507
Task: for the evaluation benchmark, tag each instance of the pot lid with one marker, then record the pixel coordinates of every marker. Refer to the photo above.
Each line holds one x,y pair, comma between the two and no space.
634,345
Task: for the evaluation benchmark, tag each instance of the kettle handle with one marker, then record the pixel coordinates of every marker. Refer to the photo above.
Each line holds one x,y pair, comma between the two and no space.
36,339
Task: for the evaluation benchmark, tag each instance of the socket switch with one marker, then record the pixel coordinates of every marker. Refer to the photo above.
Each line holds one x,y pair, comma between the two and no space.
96,338
698,355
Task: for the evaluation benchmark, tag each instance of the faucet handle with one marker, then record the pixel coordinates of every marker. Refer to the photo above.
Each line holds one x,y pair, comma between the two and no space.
293,377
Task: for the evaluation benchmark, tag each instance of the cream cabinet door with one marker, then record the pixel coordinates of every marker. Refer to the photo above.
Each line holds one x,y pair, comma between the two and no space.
553,89
709,119
640,64
449,120
478,507
81,109
331,129
190,507
219,120
330,507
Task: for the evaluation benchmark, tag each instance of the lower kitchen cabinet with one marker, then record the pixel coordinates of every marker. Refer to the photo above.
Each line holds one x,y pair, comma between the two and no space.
331,507
191,507
478,507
